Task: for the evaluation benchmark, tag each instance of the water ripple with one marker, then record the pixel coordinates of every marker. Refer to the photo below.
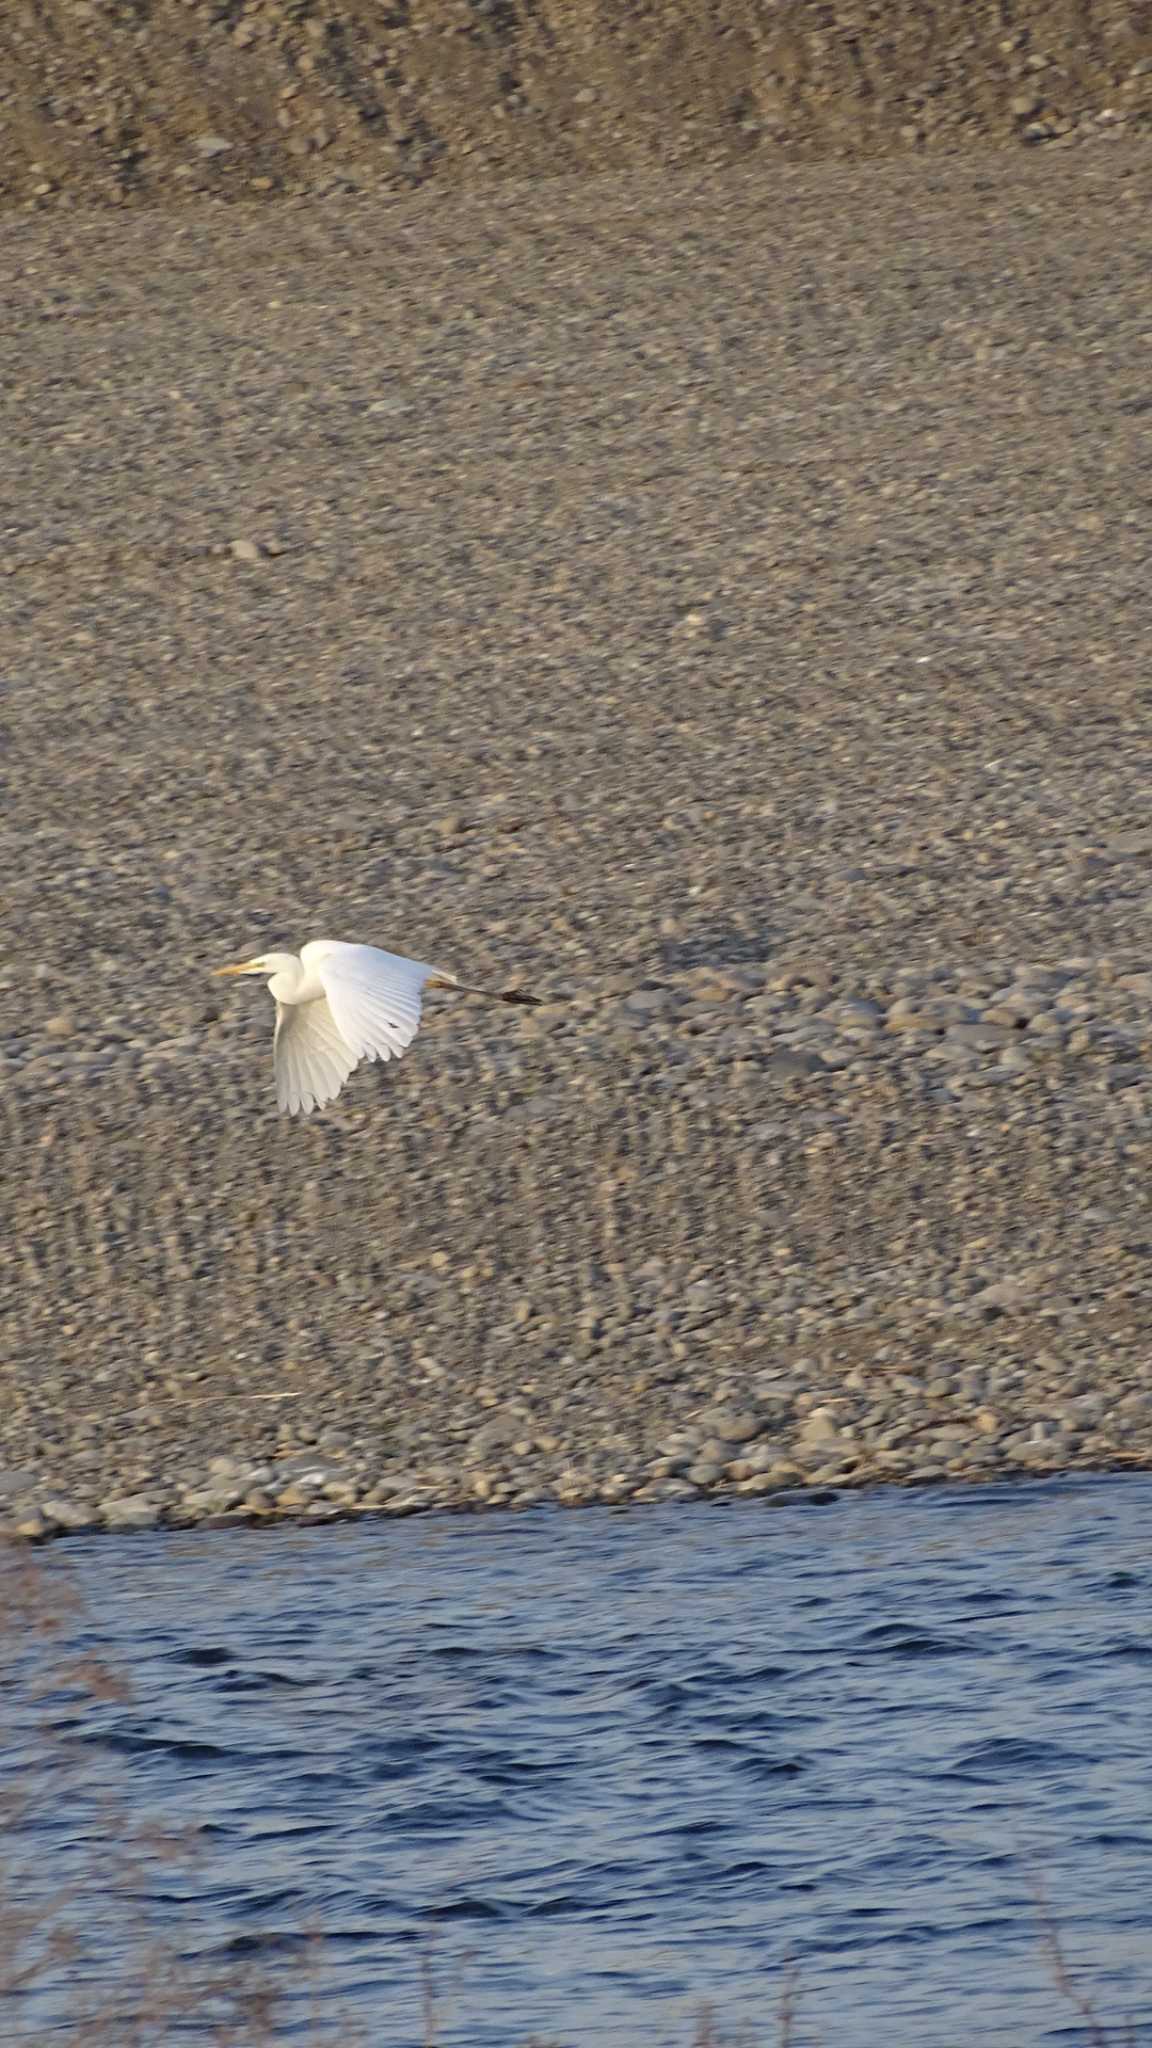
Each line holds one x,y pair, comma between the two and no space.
614,1764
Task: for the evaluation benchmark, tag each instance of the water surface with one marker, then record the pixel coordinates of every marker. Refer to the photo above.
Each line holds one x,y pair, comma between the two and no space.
602,1766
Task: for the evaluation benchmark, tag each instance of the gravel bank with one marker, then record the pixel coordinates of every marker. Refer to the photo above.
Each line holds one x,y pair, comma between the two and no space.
133,103
722,603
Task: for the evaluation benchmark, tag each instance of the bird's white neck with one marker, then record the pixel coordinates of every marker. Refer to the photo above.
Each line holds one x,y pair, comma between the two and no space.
286,977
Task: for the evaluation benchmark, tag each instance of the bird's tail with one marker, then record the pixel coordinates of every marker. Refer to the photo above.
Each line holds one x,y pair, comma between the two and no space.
492,995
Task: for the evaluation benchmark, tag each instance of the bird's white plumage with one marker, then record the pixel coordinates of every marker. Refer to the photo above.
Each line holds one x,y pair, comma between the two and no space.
374,997
310,1059
335,1006
338,1004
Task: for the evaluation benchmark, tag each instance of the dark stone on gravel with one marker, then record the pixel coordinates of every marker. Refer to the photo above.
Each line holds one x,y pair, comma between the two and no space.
807,1497
794,1066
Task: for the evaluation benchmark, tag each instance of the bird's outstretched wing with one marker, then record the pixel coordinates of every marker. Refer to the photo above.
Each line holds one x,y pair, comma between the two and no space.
309,1056
374,997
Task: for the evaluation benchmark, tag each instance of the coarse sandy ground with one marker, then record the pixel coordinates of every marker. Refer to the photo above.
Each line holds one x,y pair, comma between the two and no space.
718,597
137,102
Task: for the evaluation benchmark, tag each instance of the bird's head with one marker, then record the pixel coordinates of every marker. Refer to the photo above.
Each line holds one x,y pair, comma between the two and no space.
261,963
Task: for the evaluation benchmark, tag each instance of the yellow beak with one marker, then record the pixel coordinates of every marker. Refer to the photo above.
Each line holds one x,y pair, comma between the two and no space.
243,967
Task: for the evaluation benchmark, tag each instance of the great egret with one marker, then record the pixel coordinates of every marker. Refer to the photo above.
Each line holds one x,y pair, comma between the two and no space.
337,1005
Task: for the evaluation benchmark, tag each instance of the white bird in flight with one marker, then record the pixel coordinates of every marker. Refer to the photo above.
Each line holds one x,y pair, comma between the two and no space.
337,1005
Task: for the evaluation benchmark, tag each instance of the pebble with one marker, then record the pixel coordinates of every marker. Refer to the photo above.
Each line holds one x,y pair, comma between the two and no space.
68,1516
133,1511
820,1427
496,1433
731,1425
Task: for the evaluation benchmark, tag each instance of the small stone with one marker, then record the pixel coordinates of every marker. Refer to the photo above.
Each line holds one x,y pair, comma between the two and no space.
130,1511
712,1452
378,1492
666,1489
980,1037
762,1457
68,1515
295,1495
705,1474
497,1434
794,1066
858,1011
731,1425
247,551
820,1428
946,1443
931,1013
1034,974
14,1482
1010,1293
1015,1006
672,1466
211,145
648,1002
1039,1450
210,1500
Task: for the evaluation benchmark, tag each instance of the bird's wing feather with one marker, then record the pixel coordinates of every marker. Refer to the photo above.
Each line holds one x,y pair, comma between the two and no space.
309,1056
374,998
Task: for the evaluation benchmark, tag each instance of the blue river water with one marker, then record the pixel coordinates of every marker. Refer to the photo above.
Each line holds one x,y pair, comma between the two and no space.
572,1776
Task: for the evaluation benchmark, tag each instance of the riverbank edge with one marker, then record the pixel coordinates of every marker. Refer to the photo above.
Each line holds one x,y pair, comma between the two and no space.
39,1527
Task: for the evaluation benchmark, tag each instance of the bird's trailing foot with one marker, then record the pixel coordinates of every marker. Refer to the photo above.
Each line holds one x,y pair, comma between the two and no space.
491,995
